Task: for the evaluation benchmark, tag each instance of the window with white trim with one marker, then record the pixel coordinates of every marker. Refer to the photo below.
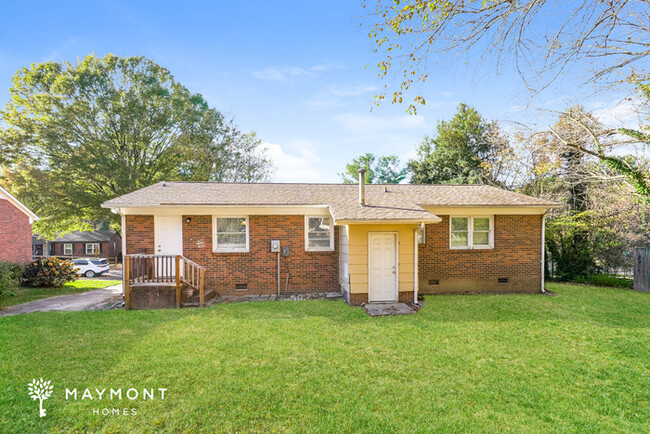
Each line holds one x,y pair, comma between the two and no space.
67,249
92,249
472,232
319,234
230,234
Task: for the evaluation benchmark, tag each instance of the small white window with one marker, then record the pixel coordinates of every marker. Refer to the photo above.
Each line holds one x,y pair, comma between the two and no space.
471,232
319,234
92,249
67,249
230,234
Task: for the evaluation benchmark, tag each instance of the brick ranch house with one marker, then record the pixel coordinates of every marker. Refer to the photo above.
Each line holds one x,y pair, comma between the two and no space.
15,229
374,243
101,243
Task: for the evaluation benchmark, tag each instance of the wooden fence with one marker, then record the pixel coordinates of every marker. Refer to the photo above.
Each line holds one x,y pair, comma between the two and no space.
642,269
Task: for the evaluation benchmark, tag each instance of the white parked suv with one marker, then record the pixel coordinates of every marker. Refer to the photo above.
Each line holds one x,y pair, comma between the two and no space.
91,267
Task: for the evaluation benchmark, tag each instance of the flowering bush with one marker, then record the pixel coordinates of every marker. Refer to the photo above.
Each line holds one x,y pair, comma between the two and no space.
49,272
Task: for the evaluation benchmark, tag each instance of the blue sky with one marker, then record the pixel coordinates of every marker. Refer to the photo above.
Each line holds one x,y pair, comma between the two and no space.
293,71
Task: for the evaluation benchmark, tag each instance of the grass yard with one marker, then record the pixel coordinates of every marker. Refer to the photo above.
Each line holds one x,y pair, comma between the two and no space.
575,362
25,293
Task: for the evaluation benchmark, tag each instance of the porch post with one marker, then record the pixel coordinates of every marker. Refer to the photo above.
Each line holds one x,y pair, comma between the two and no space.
177,271
201,287
127,290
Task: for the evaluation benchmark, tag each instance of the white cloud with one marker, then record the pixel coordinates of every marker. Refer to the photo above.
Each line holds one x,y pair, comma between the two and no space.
623,114
299,166
288,73
338,95
368,124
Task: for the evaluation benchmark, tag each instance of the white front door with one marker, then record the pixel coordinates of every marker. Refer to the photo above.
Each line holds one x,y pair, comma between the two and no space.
382,267
168,234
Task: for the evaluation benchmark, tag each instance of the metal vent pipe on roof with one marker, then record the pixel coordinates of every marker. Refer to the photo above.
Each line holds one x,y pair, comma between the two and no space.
362,187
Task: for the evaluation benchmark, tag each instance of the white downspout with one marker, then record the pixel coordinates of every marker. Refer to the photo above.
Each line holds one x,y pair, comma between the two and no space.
416,283
124,277
544,250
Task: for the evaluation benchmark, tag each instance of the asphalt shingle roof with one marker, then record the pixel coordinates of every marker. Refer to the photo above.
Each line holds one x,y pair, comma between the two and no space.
383,202
100,236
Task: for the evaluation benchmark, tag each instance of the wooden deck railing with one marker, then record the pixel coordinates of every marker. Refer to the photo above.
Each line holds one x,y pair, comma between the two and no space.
163,270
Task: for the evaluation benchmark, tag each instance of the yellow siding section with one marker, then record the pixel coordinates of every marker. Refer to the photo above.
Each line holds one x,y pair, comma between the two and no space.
358,255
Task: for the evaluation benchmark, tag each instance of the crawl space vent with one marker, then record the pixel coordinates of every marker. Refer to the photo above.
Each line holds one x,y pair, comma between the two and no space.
434,282
241,286
503,280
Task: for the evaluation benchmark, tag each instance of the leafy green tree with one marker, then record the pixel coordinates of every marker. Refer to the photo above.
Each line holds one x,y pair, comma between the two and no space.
80,134
590,138
383,170
465,150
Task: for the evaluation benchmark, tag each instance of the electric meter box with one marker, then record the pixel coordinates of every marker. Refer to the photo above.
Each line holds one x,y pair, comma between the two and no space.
275,246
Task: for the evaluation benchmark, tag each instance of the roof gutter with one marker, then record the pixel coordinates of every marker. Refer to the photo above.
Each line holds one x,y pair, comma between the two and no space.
385,222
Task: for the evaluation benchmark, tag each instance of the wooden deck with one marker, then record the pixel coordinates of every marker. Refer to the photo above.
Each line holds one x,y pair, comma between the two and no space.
156,279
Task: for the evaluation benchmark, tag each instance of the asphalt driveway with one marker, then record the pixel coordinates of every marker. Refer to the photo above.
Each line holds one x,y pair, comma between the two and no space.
90,300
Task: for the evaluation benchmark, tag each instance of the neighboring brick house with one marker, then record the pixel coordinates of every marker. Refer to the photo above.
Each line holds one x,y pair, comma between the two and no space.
102,243
374,243
15,229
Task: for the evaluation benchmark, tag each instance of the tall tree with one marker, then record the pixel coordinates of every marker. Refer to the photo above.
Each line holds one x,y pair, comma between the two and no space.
82,133
542,37
386,169
591,138
465,150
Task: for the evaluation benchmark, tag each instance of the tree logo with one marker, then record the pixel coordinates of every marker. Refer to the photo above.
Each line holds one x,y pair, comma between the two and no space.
40,389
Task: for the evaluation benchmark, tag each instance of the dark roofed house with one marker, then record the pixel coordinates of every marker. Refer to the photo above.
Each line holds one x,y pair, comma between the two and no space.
372,243
104,243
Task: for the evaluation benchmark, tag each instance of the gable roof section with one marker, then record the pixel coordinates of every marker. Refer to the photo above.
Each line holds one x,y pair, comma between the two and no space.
393,202
100,236
4,194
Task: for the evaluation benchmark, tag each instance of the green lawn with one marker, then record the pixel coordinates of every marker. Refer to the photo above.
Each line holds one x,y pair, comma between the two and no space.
576,362
24,293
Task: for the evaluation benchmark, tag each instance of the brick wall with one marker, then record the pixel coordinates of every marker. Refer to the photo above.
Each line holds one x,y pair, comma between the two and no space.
79,249
15,234
308,271
516,256
139,234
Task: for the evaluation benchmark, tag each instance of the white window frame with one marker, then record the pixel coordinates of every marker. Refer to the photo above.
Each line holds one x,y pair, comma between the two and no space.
215,246
470,233
65,249
319,249
93,251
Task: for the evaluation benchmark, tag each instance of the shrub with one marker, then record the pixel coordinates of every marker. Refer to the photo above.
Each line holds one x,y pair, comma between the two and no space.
606,280
9,276
49,272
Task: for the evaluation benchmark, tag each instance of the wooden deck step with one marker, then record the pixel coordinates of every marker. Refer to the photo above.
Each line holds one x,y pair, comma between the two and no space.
193,301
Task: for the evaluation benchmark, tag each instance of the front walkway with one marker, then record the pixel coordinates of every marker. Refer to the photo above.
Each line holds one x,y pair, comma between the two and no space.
89,300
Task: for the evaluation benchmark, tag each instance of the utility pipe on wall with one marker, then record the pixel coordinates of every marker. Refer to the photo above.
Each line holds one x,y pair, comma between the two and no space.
416,283
544,249
362,187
